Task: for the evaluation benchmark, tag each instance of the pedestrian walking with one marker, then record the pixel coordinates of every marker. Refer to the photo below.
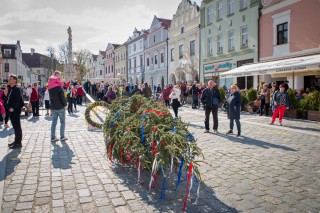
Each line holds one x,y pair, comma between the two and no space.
47,102
281,102
265,100
234,108
58,104
146,91
35,99
165,95
194,92
211,99
14,104
175,99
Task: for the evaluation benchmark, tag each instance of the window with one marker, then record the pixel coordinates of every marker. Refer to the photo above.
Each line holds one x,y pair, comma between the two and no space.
209,46
140,44
106,70
147,62
172,54
134,47
231,41
129,49
219,43
6,67
141,62
181,51
182,30
134,62
121,57
7,52
230,7
192,48
244,36
151,60
162,57
111,68
156,59
154,38
282,33
219,10
100,72
38,71
243,4
209,15
129,65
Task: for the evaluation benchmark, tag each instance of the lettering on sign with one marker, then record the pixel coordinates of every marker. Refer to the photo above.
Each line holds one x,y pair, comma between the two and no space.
291,69
218,67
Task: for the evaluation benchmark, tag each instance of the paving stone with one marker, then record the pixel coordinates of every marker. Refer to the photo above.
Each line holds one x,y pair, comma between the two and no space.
122,209
114,194
104,209
24,206
128,195
102,201
42,200
84,192
85,200
42,209
118,201
57,203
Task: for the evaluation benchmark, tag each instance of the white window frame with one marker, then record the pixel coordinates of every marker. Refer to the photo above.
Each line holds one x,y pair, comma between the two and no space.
129,49
219,43
244,37
243,4
209,15
5,52
219,10
181,51
194,48
231,40
230,7
172,54
209,46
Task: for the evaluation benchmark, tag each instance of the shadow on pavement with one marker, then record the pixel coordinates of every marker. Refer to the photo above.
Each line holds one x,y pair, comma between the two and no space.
302,128
6,131
62,155
253,142
12,161
173,201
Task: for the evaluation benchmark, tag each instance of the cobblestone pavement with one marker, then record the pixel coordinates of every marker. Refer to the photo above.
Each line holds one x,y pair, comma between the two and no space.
268,169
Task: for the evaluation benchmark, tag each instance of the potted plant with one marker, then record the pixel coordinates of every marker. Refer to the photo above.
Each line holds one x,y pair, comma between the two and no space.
293,111
223,96
313,101
245,103
251,96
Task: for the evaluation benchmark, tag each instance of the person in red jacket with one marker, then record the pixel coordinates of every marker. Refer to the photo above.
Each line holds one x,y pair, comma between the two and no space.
34,99
80,93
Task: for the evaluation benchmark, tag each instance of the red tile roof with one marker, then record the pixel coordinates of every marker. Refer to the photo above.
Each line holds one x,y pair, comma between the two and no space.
165,22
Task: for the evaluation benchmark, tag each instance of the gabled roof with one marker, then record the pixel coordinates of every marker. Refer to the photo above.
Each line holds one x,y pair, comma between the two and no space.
34,60
94,57
165,22
103,53
116,45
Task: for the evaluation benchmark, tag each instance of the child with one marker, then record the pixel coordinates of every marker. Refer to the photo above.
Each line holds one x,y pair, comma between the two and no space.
47,102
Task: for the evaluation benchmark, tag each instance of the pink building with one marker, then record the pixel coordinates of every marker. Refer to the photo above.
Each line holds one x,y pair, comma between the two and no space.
290,37
109,63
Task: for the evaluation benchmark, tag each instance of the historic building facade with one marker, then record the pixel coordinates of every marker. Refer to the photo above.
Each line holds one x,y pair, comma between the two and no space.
12,63
109,63
183,48
90,66
99,67
136,65
120,63
290,29
229,39
156,52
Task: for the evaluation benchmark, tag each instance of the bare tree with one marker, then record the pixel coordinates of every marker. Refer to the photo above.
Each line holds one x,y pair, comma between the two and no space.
63,53
81,57
51,64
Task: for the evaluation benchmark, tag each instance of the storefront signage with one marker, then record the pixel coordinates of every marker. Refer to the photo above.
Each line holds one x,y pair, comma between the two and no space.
291,69
218,67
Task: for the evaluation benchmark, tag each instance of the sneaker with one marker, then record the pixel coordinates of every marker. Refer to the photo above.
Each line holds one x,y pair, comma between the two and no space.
215,131
281,124
63,139
16,146
12,144
54,139
206,131
230,132
271,123
238,135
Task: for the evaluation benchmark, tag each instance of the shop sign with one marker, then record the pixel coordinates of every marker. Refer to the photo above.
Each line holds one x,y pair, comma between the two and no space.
218,67
286,69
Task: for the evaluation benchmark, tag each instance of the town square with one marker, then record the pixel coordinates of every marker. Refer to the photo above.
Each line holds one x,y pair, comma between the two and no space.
160,106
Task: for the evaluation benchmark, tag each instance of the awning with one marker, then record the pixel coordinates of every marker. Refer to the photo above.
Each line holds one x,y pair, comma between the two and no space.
300,64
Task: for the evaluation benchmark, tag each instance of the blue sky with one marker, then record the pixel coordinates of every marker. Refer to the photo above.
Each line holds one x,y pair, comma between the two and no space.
41,23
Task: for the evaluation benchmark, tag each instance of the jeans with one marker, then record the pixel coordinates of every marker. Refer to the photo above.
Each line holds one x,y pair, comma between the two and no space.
16,124
70,102
61,113
264,105
35,107
214,110
237,123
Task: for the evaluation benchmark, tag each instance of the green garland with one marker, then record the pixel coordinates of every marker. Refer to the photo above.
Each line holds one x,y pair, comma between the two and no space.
88,110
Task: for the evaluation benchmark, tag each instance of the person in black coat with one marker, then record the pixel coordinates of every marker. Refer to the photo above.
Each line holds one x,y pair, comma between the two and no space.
194,92
211,99
234,108
14,104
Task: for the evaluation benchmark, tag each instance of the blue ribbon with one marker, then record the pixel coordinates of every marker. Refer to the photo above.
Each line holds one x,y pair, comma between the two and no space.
142,129
174,130
115,118
180,172
190,137
162,194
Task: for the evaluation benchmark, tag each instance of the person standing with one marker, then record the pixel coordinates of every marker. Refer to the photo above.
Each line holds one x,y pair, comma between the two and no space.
14,104
47,102
58,103
4,97
80,93
194,92
34,99
165,95
175,99
281,102
265,99
211,99
146,91
234,108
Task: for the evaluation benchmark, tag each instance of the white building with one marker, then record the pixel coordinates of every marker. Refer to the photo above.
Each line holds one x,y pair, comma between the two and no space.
156,48
184,34
135,48
99,68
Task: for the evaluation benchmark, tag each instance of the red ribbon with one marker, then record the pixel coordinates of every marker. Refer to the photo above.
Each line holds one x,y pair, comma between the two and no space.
136,106
121,160
154,180
154,147
155,112
129,157
110,152
187,187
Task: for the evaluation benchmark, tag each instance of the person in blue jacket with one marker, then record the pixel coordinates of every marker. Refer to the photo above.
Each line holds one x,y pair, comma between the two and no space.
234,108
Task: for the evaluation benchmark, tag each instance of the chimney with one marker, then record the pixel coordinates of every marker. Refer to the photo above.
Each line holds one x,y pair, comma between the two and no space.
18,42
32,51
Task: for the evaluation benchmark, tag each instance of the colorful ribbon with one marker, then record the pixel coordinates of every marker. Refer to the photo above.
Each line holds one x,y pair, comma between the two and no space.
155,112
174,130
187,187
198,190
163,190
180,172
154,170
115,118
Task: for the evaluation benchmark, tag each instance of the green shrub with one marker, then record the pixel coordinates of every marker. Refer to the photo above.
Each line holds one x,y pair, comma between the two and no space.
222,94
293,100
252,94
310,102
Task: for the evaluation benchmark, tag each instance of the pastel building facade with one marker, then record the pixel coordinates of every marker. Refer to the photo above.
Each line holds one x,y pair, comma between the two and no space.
109,63
120,56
